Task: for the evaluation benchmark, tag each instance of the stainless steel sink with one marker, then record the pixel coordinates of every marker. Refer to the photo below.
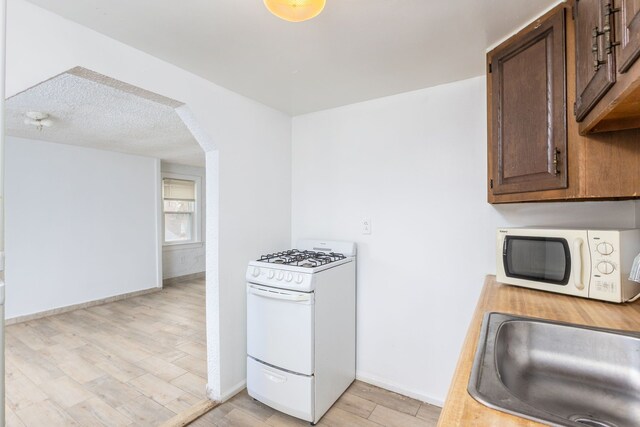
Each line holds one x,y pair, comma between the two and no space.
557,373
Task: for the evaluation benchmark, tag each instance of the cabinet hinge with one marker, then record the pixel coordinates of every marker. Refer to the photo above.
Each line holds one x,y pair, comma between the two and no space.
556,161
575,109
491,183
490,68
573,13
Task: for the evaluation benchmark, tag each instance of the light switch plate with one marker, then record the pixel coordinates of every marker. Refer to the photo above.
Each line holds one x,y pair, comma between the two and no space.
366,225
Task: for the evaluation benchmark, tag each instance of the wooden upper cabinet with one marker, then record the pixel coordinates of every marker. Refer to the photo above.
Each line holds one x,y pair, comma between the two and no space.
595,59
607,48
629,33
535,150
528,127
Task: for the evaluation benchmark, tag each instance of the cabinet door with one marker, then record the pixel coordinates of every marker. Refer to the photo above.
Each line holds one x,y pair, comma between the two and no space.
528,118
629,33
595,64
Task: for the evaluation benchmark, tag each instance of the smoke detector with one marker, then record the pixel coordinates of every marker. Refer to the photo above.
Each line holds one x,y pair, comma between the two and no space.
37,119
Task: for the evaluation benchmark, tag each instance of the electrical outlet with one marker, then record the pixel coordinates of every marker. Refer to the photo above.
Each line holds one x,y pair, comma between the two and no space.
366,225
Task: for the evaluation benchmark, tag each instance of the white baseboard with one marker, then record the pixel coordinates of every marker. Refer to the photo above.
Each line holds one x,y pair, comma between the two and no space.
210,393
364,377
228,394
379,382
65,309
185,278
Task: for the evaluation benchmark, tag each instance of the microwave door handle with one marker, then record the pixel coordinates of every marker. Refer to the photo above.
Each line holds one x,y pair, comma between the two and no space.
576,261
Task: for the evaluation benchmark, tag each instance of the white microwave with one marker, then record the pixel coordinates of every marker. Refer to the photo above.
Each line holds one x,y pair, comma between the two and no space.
585,263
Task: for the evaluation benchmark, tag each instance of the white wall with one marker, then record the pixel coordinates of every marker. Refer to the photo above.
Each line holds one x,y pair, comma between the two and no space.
415,164
251,141
184,259
359,145
81,225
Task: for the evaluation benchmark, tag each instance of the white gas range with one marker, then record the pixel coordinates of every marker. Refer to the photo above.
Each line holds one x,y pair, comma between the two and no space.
301,327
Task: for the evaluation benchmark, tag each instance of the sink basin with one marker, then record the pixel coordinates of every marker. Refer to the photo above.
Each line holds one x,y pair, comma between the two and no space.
557,373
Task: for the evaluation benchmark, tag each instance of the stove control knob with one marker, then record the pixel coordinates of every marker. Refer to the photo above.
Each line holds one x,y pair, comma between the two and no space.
605,248
299,278
270,274
256,271
289,277
280,275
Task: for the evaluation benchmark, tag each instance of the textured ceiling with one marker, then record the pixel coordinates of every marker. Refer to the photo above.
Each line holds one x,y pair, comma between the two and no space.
94,111
353,51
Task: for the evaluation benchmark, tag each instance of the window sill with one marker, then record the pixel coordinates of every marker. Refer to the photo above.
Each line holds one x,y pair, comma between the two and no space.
182,246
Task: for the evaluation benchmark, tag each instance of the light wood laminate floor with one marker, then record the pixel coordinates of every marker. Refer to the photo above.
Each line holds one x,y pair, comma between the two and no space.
362,405
140,361
134,362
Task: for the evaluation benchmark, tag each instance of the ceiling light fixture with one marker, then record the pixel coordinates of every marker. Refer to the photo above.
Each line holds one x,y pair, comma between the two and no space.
37,119
295,10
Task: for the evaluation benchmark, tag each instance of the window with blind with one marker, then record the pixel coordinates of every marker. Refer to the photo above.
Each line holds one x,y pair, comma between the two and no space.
179,205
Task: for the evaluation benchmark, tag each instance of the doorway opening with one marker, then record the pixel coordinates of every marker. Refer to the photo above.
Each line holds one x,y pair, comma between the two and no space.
106,201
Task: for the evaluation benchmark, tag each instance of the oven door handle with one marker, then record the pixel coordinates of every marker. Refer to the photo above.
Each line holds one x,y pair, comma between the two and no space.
576,261
274,294
276,378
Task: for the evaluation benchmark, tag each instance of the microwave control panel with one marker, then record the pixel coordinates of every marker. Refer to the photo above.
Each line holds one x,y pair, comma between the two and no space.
605,283
607,279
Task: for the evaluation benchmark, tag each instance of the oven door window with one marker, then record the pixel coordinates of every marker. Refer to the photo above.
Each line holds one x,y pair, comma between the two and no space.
540,259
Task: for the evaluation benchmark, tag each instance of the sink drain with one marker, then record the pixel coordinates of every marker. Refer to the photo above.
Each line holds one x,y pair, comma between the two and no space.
591,422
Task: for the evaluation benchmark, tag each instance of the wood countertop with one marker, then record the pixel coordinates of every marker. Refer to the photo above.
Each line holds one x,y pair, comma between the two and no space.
460,409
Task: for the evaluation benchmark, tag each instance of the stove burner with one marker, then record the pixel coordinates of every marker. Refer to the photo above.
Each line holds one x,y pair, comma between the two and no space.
307,259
